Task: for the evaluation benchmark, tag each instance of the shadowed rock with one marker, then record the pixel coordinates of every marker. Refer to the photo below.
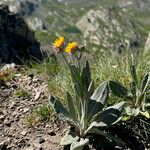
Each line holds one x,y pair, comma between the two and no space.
17,42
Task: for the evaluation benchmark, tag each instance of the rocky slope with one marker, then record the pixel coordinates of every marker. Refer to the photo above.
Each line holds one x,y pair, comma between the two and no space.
116,33
99,24
20,129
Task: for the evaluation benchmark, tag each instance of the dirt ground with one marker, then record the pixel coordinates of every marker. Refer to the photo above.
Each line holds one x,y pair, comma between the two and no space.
15,133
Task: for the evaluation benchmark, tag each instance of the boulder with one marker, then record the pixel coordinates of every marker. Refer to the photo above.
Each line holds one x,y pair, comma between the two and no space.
17,42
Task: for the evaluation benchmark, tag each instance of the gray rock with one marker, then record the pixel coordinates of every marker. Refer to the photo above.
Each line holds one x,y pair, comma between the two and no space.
7,122
18,42
4,143
36,24
41,140
24,132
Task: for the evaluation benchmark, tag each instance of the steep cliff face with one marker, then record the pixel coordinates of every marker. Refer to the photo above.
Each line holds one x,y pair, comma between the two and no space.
100,25
17,42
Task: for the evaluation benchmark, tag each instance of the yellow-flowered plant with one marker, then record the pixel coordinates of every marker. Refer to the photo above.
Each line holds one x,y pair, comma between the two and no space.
71,47
85,109
58,42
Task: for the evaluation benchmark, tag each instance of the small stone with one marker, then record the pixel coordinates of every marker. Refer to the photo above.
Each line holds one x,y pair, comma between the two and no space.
37,95
2,117
31,75
7,123
38,146
26,110
41,140
47,126
51,133
35,80
12,105
29,148
14,114
14,86
23,132
4,143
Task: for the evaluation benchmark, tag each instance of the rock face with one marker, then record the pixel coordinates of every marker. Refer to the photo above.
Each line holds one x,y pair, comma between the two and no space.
108,28
22,7
26,9
36,24
17,42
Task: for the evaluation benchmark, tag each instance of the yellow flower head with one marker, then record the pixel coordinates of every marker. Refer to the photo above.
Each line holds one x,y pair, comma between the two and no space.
71,47
58,42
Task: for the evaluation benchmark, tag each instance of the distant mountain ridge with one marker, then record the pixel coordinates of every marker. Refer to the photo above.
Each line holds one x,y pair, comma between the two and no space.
105,24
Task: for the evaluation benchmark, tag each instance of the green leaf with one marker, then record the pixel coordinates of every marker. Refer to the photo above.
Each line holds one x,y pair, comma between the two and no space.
78,145
133,74
145,82
119,106
146,114
76,77
95,124
107,117
86,76
147,105
68,139
106,135
110,114
125,118
71,107
101,93
132,111
95,130
141,99
119,90
93,108
98,98
58,107
133,88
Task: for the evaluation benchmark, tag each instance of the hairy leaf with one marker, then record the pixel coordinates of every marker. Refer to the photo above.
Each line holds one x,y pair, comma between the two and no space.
145,82
78,145
86,76
119,90
146,114
98,98
106,135
101,93
95,124
76,77
132,111
107,117
71,107
68,139
110,114
133,74
133,88
58,107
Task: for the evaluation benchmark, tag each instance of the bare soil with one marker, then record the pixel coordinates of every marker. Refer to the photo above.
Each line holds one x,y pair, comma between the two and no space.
15,133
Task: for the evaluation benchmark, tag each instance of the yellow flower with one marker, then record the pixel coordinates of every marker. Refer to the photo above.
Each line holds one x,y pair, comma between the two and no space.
58,42
71,47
